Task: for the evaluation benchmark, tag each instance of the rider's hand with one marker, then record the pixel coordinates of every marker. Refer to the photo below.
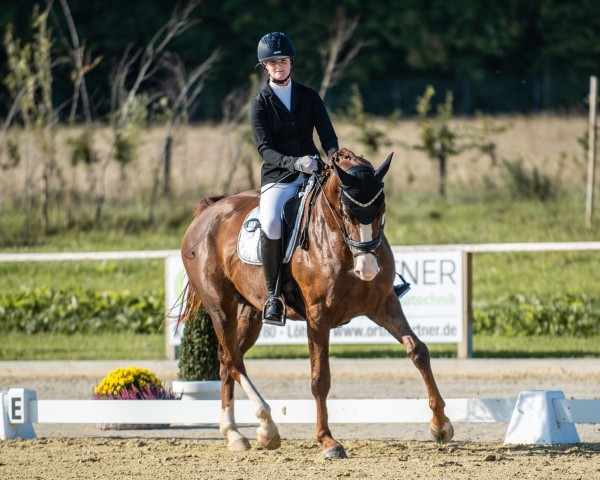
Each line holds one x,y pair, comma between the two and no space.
307,164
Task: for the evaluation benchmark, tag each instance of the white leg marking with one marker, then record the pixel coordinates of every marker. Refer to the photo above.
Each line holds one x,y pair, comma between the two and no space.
228,426
267,429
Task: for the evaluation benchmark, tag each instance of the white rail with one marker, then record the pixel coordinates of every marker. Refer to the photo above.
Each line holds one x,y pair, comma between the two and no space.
80,256
536,417
158,254
483,410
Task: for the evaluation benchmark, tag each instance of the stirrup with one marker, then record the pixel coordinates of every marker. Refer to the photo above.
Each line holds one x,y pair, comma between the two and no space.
280,322
402,289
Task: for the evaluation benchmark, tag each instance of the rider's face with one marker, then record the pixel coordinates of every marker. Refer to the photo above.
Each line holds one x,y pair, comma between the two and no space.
279,69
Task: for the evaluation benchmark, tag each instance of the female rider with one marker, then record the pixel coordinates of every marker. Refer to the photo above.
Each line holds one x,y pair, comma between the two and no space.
283,116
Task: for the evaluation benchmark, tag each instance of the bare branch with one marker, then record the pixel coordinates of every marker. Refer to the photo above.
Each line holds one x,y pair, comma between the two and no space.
333,66
187,88
177,24
79,86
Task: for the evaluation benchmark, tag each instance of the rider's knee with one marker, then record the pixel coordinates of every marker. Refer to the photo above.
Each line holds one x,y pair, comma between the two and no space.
272,229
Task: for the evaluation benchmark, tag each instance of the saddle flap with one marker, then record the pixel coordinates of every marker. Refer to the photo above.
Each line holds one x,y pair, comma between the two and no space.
290,210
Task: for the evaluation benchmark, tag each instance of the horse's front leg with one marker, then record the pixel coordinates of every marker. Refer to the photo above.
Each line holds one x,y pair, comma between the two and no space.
394,321
318,345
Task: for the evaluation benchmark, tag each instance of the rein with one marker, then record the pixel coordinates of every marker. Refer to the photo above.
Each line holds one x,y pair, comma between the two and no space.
364,248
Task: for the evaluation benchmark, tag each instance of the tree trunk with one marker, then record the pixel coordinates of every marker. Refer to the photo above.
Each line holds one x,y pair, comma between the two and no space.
167,166
442,160
45,196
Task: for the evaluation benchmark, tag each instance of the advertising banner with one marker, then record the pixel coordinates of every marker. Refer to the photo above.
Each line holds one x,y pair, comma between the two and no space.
433,305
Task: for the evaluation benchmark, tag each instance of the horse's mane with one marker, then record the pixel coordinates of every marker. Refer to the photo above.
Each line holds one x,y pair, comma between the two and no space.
207,202
347,154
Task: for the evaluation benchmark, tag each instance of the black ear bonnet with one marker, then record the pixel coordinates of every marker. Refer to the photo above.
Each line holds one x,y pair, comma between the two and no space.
364,197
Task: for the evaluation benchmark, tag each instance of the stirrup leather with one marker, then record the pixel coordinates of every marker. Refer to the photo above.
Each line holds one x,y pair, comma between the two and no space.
280,322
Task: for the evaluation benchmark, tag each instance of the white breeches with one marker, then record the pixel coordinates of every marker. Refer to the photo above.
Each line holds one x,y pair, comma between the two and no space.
273,196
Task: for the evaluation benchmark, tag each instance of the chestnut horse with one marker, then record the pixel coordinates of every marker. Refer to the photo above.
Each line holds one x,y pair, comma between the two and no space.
347,257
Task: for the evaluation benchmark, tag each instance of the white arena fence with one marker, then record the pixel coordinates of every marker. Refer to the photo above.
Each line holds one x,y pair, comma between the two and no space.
535,417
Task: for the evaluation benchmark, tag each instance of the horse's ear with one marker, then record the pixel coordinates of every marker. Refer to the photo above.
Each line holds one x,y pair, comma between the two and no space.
381,171
344,176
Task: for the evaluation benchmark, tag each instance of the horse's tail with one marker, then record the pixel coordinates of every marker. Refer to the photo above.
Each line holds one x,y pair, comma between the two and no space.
192,300
205,203
192,305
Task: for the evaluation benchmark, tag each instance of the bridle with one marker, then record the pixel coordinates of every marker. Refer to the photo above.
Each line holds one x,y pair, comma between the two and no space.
364,248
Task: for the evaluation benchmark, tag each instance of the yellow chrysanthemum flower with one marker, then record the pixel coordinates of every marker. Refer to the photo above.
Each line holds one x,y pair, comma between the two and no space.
121,378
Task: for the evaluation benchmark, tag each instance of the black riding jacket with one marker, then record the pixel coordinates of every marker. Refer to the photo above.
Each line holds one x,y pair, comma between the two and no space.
282,135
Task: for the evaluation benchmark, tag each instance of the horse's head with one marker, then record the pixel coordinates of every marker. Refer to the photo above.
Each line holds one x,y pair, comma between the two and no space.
361,205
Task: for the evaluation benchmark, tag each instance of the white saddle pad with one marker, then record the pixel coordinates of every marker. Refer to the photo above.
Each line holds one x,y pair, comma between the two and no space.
249,235
248,238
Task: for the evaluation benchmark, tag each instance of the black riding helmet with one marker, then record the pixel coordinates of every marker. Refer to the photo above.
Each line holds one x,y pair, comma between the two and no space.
274,46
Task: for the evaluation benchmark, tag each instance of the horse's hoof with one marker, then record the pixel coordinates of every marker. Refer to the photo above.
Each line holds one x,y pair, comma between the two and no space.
444,435
269,443
335,452
239,445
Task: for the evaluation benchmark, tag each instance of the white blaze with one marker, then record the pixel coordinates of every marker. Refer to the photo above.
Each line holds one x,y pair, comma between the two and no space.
366,266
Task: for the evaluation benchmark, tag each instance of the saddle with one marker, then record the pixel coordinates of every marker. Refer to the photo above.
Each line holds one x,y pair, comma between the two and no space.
291,215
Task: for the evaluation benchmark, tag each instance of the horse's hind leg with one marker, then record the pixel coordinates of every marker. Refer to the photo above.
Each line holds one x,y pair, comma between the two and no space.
236,442
394,321
236,340
249,326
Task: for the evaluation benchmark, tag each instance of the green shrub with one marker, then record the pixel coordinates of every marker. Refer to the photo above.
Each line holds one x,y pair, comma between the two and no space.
198,353
522,315
45,310
530,184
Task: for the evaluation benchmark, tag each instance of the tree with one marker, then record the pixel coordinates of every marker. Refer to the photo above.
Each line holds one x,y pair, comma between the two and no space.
440,139
180,91
240,147
30,84
369,134
337,54
128,106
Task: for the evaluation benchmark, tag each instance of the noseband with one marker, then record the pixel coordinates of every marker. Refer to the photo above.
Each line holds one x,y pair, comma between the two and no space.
363,248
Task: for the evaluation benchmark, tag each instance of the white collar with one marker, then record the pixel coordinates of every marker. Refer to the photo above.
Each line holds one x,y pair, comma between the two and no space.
281,88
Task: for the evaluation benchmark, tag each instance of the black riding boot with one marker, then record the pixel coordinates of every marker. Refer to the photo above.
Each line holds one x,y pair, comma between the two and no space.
270,251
